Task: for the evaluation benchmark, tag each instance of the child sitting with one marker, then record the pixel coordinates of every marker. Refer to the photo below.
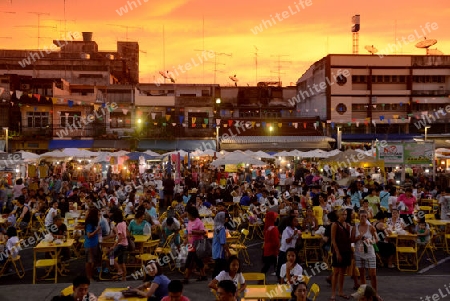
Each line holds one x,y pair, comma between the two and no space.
291,272
175,291
423,232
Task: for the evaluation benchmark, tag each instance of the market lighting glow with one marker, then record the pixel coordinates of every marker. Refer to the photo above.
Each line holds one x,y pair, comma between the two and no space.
139,120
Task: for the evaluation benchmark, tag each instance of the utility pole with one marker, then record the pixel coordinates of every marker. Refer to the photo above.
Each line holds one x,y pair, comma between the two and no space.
280,66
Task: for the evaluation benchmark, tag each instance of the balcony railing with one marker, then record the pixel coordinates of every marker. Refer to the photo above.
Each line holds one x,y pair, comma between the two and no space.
440,92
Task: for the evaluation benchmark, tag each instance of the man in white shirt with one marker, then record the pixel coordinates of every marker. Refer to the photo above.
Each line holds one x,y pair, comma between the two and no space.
51,214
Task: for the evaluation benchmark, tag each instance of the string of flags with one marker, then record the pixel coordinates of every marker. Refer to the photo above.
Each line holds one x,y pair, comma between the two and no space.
395,118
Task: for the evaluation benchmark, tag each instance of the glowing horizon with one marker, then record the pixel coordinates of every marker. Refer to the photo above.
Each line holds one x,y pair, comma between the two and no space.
292,34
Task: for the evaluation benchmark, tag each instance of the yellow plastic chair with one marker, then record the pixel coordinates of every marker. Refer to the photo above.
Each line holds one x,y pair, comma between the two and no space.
106,246
406,253
429,248
430,216
45,263
166,249
447,238
255,277
67,291
148,252
313,292
426,209
16,262
240,247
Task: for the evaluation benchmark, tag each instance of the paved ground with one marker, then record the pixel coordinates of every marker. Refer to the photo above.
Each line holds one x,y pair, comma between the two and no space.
393,285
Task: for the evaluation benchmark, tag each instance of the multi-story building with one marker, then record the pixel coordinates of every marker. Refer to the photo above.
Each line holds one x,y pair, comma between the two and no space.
175,116
371,97
45,94
273,122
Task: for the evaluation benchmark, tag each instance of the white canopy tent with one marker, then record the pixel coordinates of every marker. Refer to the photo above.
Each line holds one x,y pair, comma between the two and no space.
151,153
79,153
56,154
29,157
237,158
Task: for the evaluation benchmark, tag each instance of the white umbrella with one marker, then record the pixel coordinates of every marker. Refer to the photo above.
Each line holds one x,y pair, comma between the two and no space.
182,153
237,158
27,156
263,155
151,153
54,154
282,154
208,152
102,157
120,153
79,153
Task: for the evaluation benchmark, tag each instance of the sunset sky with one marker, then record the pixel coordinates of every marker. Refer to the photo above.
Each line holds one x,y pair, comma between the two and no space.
305,34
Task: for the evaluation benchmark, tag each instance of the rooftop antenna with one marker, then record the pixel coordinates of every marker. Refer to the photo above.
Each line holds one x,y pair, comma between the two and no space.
372,50
126,27
355,33
279,66
256,64
65,23
203,65
216,63
164,51
38,26
427,43
7,12
202,50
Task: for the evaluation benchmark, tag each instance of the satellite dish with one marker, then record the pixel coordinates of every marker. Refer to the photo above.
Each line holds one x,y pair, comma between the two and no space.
163,74
426,43
234,78
371,49
434,52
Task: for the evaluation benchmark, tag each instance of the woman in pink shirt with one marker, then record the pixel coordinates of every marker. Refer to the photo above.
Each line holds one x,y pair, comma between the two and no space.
195,231
120,245
407,213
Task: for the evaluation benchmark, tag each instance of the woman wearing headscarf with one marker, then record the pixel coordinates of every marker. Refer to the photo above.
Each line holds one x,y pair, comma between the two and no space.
271,242
219,244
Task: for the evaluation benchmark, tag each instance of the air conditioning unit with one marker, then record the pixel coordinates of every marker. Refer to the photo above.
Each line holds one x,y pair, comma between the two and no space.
24,87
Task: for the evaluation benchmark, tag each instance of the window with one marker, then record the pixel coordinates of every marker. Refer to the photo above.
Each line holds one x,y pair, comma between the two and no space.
120,120
37,119
402,79
341,108
197,119
359,107
205,93
341,80
70,119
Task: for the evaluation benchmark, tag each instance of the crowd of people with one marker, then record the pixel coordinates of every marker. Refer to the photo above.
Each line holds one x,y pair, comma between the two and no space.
325,208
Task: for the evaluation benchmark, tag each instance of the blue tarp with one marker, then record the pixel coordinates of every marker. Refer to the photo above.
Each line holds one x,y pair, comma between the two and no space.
371,137
59,144
171,145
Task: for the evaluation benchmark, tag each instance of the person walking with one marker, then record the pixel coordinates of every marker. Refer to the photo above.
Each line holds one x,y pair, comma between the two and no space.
342,253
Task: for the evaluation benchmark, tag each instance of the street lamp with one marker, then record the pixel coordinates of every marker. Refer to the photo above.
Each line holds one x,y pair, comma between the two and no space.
6,139
339,137
426,132
217,134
